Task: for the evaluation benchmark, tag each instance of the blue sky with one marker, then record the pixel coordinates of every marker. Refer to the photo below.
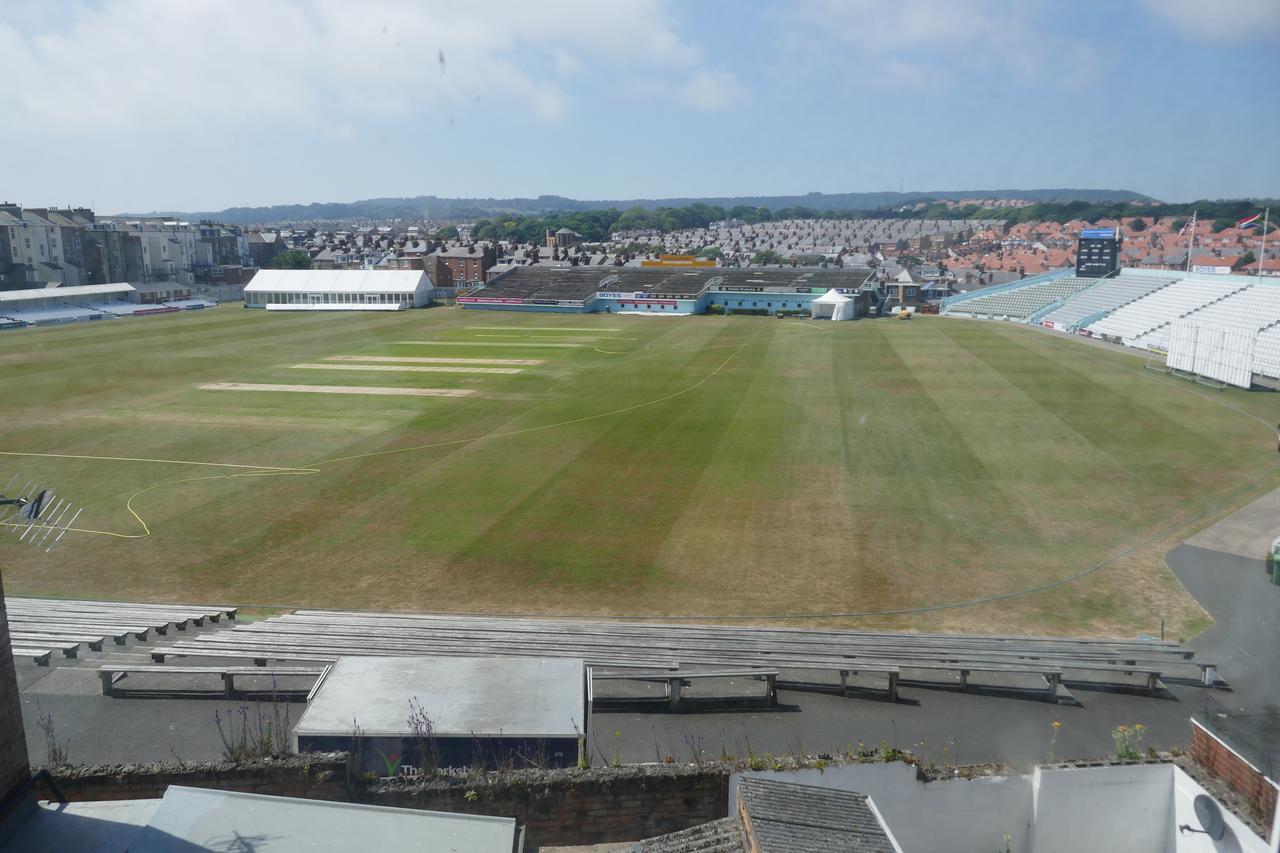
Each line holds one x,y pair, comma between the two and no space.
140,105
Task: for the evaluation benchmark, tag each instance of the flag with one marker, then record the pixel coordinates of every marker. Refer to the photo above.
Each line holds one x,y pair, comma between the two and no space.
1189,226
1249,222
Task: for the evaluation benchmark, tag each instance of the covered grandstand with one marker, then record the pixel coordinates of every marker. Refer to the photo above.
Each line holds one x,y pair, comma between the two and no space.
338,290
670,291
1155,311
1101,299
1019,301
43,306
1139,323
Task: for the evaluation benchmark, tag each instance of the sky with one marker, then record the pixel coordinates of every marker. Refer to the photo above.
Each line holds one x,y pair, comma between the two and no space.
198,105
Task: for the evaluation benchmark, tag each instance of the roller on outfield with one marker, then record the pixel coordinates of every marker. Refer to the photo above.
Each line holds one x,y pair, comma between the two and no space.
35,514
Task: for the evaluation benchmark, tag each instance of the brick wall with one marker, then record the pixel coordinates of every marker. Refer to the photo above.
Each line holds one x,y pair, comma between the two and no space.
1233,771
581,806
321,777
557,807
14,770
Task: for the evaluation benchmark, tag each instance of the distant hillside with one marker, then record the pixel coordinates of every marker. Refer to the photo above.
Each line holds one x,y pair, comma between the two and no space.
434,207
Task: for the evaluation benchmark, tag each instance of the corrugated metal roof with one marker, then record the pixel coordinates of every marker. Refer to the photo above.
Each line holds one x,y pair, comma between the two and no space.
784,816
717,836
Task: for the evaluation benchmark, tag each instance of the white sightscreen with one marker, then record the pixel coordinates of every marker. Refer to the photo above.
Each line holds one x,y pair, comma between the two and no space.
1182,346
1266,353
1225,354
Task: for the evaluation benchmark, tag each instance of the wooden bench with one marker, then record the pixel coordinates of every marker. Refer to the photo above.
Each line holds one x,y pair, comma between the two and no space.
258,656
178,619
93,642
1052,675
260,652
845,668
675,681
212,612
1150,675
108,674
40,656
685,645
68,649
732,636
139,632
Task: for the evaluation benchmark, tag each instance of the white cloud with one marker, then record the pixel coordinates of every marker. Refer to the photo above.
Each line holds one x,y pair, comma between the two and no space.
1220,20
566,62
711,90
927,44
135,66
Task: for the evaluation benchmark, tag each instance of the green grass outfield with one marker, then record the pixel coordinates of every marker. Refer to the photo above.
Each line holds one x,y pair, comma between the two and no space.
671,467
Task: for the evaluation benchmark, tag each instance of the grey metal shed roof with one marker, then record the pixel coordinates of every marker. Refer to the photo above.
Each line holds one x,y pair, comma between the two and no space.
784,816
463,697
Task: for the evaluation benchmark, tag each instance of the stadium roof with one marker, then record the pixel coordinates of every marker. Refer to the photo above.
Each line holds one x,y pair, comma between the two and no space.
337,281
38,293
546,282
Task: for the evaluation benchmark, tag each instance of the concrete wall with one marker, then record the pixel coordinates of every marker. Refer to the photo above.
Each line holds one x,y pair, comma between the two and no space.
763,301
527,309
673,307
1103,808
1238,839
1131,808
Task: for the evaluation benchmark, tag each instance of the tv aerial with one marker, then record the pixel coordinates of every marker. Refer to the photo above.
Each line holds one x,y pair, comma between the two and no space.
35,514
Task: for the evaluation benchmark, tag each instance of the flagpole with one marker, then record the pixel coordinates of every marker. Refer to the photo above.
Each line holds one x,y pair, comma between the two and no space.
1191,245
1262,259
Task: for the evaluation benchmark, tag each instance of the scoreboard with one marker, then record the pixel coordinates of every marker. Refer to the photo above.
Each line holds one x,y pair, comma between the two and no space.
1097,252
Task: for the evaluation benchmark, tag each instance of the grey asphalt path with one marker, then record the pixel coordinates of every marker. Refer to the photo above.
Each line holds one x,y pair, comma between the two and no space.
974,727
1245,636
1247,532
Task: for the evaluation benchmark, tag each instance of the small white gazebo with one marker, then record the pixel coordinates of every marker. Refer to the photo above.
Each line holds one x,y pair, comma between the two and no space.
833,305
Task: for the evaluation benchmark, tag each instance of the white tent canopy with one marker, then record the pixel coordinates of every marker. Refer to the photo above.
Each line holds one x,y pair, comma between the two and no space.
832,304
338,290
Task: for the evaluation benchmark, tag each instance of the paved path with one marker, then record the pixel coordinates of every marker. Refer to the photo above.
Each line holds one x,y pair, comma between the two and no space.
1245,637
1248,532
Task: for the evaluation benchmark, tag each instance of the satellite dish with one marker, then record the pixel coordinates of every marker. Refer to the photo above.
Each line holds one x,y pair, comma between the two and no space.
1210,816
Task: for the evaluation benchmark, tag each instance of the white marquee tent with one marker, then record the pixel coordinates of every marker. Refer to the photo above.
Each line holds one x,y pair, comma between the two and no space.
338,290
832,304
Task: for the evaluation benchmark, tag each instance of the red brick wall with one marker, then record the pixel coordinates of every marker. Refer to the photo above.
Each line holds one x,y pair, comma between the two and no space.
14,768
1223,764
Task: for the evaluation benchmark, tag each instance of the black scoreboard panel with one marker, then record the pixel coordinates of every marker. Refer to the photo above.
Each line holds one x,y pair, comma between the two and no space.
1098,252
